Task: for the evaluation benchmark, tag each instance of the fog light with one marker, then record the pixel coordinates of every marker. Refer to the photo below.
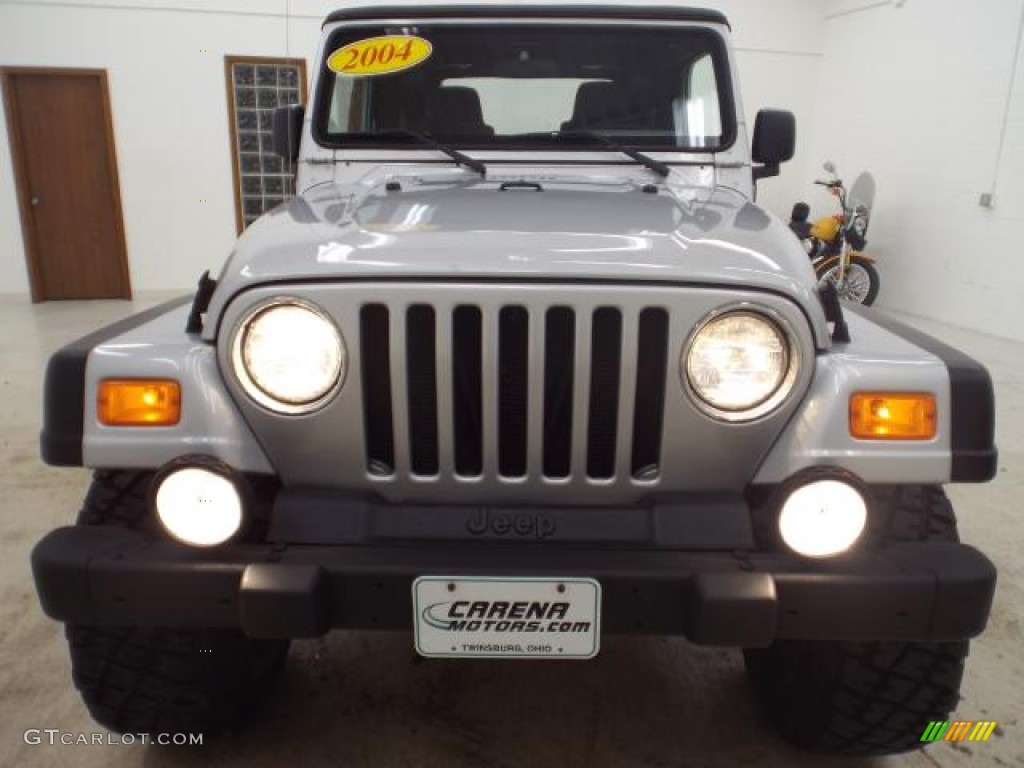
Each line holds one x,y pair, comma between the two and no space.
823,518
198,506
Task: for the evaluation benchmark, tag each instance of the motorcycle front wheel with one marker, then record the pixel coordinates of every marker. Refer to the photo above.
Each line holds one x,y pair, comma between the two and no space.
860,284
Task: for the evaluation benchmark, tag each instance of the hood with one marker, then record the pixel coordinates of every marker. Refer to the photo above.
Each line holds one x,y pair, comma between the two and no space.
484,229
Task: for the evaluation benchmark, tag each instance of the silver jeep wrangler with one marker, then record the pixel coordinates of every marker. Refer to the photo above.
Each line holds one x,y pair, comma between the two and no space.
522,364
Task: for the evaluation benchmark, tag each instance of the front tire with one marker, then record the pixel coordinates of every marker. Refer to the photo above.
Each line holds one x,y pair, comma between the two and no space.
163,679
860,284
865,698
160,680
856,698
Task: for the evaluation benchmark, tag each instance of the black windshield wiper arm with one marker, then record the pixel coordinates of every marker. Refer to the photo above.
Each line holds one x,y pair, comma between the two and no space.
454,154
657,166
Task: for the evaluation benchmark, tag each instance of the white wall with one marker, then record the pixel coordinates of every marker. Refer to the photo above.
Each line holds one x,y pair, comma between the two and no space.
169,103
917,94
165,62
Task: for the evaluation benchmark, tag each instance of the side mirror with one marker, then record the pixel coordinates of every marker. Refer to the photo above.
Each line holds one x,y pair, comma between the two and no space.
774,141
287,130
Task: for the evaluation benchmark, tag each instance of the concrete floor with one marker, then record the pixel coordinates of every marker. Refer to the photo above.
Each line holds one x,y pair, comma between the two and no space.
365,699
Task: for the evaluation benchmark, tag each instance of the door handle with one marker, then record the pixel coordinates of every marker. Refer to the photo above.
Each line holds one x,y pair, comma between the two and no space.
35,201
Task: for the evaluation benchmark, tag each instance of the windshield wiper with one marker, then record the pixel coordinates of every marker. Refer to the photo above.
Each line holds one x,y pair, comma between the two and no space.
657,166
422,138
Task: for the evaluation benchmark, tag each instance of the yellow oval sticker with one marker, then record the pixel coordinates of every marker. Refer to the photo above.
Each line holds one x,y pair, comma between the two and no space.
380,55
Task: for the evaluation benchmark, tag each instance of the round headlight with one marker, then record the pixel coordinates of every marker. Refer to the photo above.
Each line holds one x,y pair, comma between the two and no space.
860,224
823,518
740,365
289,357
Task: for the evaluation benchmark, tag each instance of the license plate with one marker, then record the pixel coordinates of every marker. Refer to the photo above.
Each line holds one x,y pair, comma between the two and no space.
495,617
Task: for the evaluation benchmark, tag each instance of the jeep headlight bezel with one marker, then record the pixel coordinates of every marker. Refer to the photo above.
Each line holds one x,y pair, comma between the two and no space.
306,362
766,392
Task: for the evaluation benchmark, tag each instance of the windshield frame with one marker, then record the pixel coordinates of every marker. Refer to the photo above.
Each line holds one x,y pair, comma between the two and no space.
719,50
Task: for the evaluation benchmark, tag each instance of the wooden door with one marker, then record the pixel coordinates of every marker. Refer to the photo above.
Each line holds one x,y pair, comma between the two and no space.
62,147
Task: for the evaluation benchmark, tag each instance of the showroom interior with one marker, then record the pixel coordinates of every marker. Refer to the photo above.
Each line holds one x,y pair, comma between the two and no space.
173,99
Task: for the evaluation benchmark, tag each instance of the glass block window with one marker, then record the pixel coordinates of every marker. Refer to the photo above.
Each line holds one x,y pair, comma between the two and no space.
256,86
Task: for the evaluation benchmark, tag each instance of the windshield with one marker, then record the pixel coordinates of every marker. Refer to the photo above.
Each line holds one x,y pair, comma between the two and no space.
862,193
507,86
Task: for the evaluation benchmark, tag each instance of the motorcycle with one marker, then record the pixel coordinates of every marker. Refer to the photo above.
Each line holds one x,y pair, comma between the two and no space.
835,244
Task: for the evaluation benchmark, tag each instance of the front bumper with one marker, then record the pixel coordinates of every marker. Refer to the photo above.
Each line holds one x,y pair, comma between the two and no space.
108,576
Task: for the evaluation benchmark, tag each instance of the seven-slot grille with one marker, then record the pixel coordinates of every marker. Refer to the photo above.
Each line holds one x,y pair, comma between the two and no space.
513,392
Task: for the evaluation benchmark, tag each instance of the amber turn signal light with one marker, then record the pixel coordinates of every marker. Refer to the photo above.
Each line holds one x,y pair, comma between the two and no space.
893,416
139,402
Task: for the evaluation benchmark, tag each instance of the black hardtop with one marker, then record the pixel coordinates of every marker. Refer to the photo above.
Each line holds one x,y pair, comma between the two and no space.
629,12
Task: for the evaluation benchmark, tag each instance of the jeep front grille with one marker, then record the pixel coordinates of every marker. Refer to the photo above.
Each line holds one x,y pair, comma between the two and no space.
513,391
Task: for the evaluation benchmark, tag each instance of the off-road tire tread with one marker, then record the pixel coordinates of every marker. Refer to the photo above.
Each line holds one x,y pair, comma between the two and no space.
915,513
160,680
117,498
866,698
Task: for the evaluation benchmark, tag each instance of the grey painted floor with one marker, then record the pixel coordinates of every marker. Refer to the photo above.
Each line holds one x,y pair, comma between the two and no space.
365,699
